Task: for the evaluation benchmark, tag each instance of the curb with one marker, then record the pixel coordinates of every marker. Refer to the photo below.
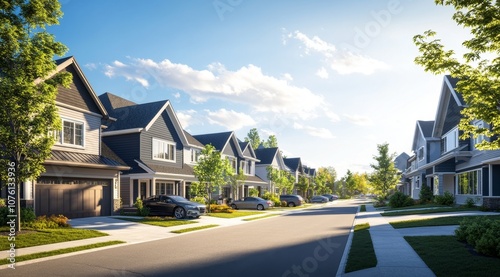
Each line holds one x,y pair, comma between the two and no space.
347,248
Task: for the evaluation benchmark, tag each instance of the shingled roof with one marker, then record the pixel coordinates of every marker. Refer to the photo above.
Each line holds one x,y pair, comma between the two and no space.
217,140
83,160
266,155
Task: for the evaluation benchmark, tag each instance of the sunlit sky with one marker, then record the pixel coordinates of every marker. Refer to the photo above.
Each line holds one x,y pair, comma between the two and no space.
331,79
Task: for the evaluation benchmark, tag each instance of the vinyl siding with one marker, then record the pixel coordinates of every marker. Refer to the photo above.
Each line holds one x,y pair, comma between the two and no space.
231,149
163,129
77,94
477,159
125,190
452,117
127,148
91,134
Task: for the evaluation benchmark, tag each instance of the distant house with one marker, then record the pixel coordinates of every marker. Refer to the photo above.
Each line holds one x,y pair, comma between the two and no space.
459,168
81,176
149,138
296,169
241,157
400,162
269,157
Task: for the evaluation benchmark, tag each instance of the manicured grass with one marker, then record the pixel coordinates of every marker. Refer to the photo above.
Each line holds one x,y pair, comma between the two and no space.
159,221
194,229
421,206
428,211
361,255
23,258
440,221
235,214
362,208
48,236
259,217
446,256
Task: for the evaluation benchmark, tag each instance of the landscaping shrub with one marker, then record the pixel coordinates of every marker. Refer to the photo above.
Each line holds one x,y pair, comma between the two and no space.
44,222
447,199
470,203
273,198
282,203
214,208
199,199
425,195
379,202
141,210
253,192
399,199
27,215
481,233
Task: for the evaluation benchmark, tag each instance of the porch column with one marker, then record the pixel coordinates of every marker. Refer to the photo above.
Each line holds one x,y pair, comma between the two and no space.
131,200
28,192
441,184
148,188
153,187
183,188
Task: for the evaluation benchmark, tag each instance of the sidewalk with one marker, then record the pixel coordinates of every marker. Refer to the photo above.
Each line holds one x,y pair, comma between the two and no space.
395,257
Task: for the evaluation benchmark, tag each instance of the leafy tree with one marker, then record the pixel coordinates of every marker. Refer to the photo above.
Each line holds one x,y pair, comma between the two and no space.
325,180
282,179
254,138
197,189
271,142
478,72
303,185
27,89
385,175
212,170
235,180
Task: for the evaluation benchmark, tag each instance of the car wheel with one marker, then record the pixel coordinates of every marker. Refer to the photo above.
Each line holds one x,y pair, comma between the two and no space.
260,207
291,204
234,207
179,213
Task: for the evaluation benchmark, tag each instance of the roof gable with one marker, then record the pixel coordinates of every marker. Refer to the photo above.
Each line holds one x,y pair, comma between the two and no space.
423,129
450,104
293,163
221,141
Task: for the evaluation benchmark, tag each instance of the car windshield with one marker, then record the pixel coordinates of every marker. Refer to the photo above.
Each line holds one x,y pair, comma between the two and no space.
178,198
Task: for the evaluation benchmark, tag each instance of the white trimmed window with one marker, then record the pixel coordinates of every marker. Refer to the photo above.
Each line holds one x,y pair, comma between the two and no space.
421,153
480,138
163,150
449,141
234,163
72,133
195,155
469,183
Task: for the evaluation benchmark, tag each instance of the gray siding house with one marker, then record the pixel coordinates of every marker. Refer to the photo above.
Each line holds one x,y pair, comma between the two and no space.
149,138
268,157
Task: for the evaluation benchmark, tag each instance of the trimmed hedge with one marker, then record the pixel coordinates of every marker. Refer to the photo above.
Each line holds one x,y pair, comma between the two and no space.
481,233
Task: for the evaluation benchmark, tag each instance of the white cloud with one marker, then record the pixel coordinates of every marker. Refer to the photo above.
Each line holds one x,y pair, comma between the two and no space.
91,66
247,85
332,116
341,61
230,119
177,95
359,119
313,131
322,73
186,118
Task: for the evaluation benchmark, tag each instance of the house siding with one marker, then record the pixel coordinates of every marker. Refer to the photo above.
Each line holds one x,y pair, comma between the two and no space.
77,94
162,128
452,117
91,135
448,166
231,150
126,147
125,190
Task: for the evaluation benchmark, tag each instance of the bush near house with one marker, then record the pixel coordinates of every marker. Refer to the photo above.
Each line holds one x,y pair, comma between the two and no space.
52,222
482,234
214,208
272,197
141,210
446,199
27,215
426,195
399,199
199,199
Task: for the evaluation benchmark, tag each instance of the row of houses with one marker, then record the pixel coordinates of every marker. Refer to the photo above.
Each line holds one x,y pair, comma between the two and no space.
112,151
445,162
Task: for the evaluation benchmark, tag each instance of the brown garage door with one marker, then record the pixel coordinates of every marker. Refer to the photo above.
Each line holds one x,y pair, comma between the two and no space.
73,200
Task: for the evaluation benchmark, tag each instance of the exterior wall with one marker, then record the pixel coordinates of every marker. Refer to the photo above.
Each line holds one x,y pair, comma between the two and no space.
163,129
261,171
434,150
491,202
91,134
77,94
126,147
448,184
125,190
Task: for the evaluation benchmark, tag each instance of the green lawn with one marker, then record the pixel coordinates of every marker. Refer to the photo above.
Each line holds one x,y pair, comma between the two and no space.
235,214
428,211
159,221
60,251
440,221
48,236
361,255
194,229
446,256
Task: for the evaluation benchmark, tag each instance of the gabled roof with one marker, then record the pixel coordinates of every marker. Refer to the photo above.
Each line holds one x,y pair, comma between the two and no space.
293,163
70,61
220,141
448,94
192,141
133,117
423,129
245,145
266,155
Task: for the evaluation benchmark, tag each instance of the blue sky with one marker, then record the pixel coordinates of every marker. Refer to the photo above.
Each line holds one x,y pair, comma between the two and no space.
331,79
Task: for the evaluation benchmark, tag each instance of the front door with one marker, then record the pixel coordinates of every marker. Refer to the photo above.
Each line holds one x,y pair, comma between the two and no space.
143,189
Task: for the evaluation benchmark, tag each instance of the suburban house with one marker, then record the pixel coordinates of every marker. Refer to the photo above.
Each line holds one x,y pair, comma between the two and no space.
268,157
295,166
82,174
150,140
401,164
241,157
459,168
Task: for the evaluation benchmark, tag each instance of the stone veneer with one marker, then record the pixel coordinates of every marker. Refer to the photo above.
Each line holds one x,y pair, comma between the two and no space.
491,202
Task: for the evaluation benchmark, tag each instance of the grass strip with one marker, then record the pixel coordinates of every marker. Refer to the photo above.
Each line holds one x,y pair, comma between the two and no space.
362,254
23,258
438,221
428,211
159,221
48,236
259,217
446,256
362,208
194,229
234,214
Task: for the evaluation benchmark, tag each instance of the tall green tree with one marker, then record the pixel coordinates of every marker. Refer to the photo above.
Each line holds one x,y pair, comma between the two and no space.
385,175
212,170
271,142
254,138
281,179
27,90
304,185
479,70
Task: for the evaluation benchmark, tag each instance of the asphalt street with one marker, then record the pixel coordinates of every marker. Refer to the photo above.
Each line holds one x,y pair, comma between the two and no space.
304,243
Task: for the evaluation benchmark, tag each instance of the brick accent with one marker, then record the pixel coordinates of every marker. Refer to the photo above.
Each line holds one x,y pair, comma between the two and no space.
491,202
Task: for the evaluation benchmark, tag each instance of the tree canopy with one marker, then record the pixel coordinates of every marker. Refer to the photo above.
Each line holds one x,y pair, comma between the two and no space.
27,89
385,176
478,71
254,138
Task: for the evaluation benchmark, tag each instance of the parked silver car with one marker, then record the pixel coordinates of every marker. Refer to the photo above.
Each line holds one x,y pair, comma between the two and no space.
319,199
252,203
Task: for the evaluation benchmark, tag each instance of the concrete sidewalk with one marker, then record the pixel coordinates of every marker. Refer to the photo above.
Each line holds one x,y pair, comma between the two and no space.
395,257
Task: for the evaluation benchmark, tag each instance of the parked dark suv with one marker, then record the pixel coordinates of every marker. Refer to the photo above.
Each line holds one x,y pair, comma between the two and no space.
292,200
